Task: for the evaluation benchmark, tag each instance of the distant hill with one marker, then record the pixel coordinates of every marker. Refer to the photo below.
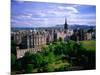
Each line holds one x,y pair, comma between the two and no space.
75,26
54,27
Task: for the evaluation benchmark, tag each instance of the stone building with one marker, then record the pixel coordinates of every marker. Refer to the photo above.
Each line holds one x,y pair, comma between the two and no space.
29,41
81,34
65,34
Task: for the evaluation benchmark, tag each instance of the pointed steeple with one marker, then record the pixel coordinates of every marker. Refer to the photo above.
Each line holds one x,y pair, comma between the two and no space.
65,25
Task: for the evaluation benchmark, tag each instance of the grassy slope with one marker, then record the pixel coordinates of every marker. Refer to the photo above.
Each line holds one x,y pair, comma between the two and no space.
89,45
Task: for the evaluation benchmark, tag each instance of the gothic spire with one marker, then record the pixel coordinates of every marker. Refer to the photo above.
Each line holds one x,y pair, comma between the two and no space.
65,25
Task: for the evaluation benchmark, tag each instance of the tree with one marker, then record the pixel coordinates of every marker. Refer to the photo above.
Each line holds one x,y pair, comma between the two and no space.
51,57
60,39
13,59
27,58
29,68
19,65
58,50
13,47
38,59
48,68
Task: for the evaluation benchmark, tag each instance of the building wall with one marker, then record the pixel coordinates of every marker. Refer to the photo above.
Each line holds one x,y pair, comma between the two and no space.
30,41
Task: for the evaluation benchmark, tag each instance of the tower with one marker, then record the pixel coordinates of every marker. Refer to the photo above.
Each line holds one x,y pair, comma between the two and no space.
65,25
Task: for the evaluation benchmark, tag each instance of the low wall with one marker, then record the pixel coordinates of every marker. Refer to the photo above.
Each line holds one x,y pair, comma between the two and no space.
21,52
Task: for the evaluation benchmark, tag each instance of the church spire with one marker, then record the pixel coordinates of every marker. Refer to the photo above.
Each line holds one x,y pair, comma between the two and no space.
65,25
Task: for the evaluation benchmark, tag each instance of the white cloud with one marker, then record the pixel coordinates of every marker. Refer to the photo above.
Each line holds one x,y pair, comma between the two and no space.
22,16
69,9
82,21
57,13
41,14
13,20
72,9
80,16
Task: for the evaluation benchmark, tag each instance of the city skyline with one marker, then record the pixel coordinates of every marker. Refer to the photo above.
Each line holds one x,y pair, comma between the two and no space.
42,14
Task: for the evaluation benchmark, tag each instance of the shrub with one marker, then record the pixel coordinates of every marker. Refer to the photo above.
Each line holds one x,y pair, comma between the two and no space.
29,68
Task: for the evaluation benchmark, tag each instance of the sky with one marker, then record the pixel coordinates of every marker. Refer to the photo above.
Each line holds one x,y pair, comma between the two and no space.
42,14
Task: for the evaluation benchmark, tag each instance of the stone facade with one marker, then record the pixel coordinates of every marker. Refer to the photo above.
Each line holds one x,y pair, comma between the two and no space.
30,41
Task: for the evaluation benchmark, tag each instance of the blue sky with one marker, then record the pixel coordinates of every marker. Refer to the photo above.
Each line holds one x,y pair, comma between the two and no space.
39,14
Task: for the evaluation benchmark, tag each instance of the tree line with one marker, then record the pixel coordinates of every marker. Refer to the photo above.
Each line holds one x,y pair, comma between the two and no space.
72,52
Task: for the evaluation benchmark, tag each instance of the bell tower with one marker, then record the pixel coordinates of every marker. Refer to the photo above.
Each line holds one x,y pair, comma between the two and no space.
65,25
